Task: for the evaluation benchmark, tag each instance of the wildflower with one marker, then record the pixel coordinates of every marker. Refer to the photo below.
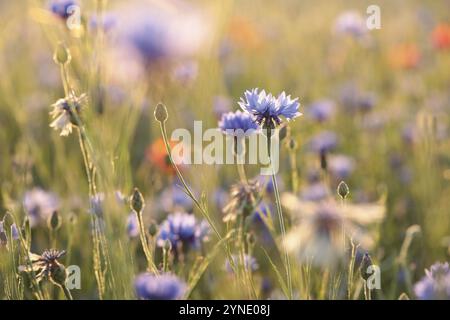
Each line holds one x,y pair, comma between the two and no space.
159,287
266,184
39,205
182,229
435,285
404,56
441,36
354,99
249,263
243,33
132,225
186,72
321,110
262,212
341,166
323,142
317,235
365,264
46,266
243,199
106,22
174,198
268,110
61,8
65,112
221,105
238,124
315,192
157,155
350,23
97,204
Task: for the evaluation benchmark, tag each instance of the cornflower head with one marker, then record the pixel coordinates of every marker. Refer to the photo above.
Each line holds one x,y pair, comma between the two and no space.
61,8
317,235
341,166
238,124
39,205
159,287
322,110
46,266
250,263
183,230
267,110
435,285
243,199
173,198
66,112
351,23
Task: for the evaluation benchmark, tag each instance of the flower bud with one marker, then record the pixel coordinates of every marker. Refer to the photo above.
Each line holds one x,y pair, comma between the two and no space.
137,201
8,221
292,144
58,274
343,190
54,222
161,114
62,54
365,264
167,245
152,229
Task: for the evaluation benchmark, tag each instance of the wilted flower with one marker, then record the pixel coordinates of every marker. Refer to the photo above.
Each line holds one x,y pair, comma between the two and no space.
317,235
435,285
249,263
351,23
441,36
321,110
46,266
183,229
243,200
268,110
39,205
238,124
159,287
65,112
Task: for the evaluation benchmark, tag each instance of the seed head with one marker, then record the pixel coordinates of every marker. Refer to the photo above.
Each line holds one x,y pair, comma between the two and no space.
161,114
343,190
137,201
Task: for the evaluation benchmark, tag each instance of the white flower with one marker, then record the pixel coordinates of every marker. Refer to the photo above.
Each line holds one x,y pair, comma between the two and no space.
317,235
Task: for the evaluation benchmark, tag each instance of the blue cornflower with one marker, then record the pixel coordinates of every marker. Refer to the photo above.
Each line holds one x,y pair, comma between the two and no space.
61,7
268,110
249,263
39,205
132,225
173,198
321,110
324,142
266,183
341,166
238,123
435,285
182,228
315,192
159,287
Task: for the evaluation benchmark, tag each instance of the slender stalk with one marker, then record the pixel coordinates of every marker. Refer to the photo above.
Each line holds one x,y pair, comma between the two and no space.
276,191
66,292
145,247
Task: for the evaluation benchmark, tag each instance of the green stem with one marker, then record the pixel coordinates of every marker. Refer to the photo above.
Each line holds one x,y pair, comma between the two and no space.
66,292
280,215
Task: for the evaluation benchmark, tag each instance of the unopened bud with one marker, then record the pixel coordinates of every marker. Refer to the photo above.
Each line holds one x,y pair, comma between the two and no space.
8,221
292,144
137,201
161,114
343,190
152,229
365,264
167,245
54,222
62,54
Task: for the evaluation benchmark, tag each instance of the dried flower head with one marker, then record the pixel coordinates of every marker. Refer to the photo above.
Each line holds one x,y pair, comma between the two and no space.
243,199
65,113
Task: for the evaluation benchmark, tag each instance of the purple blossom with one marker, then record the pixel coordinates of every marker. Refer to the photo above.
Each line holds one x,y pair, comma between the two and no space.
221,105
39,205
435,285
132,225
249,263
61,8
323,142
341,166
268,110
159,287
174,198
322,110
238,124
315,192
183,229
